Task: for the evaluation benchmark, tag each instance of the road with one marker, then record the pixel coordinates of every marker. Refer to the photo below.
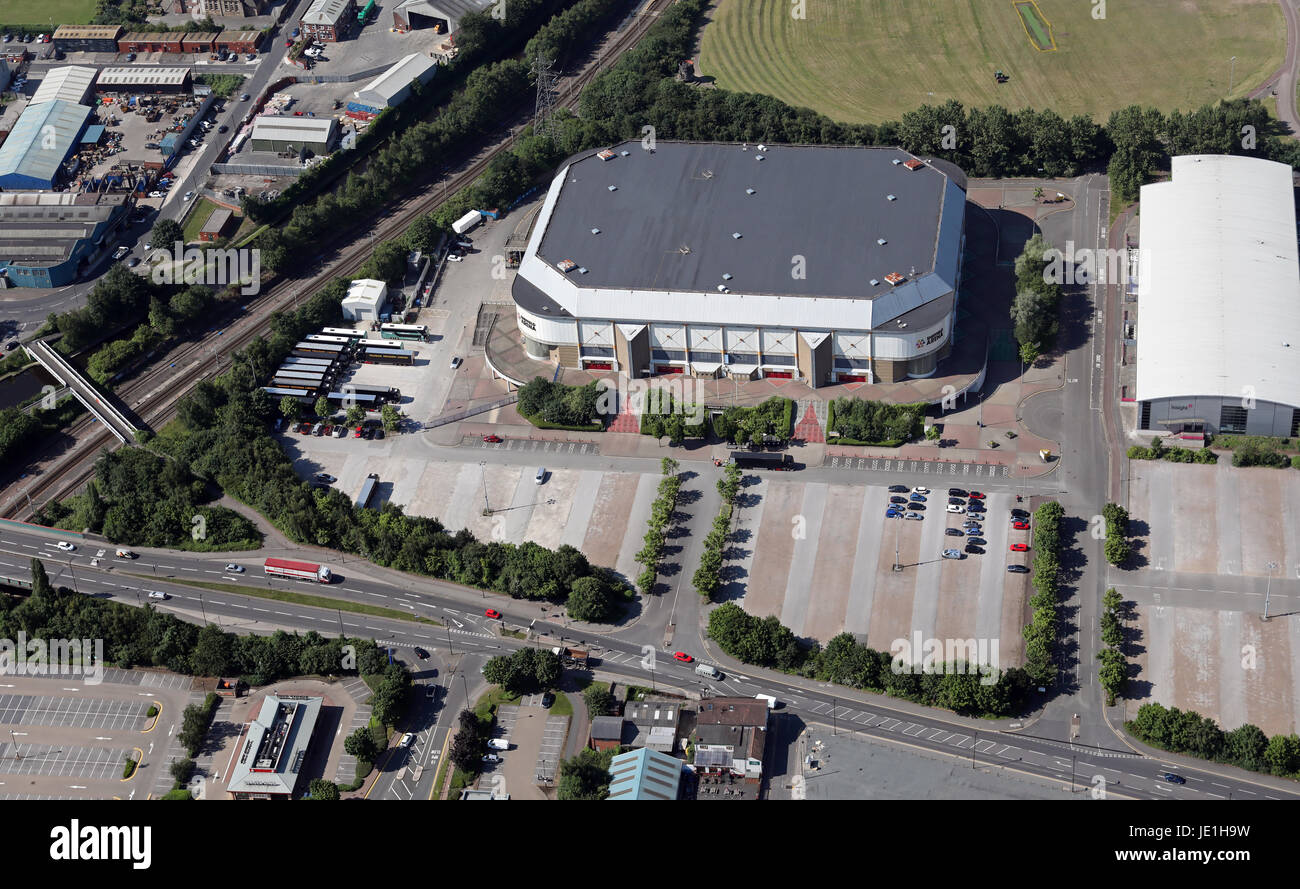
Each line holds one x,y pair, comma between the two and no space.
468,636
1283,81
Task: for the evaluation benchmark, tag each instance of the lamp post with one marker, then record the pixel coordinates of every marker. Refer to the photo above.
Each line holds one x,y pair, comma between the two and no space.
1232,73
487,509
1268,590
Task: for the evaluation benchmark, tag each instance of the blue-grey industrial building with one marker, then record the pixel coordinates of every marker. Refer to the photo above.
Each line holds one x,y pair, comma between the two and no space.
45,134
46,236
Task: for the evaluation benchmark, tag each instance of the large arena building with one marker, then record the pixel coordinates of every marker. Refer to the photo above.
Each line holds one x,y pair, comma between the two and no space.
823,264
1218,264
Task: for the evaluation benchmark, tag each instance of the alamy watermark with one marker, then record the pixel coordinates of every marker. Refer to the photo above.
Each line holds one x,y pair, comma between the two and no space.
218,267
53,657
971,657
665,397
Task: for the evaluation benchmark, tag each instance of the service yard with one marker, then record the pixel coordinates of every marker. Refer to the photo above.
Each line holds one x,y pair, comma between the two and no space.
821,558
1204,538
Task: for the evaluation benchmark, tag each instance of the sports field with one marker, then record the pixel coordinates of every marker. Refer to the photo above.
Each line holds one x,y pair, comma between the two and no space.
871,60
42,12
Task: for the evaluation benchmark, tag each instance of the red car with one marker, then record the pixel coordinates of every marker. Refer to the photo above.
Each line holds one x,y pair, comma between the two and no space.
305,429
288,43
493,613
682,656
328,430
357,433
1020,547
976,495
1020,526
492,439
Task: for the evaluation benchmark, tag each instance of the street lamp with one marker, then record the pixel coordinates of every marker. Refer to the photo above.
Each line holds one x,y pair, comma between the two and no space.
1272,566
487,509
1232,72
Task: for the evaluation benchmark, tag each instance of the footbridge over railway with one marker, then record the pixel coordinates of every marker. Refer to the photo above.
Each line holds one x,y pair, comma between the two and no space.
59,368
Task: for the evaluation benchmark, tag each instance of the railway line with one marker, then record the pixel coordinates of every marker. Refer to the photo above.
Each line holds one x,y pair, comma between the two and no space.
153,395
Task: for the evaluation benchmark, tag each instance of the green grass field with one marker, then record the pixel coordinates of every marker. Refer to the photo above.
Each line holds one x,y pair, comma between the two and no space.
866,62
60,12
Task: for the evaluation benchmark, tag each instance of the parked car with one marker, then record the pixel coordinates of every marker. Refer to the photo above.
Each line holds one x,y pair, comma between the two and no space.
421,653
954,508
1017,569
492,439
155,194
406,740
223,128
978,541
892,514
455,362
304,429
1020,526
682,657
977,495
918,498
953,532
326,478
956,501
189,195
340,431
368,433
130,57
920,490
492,613
974,531
328,430
897,499
956,492
547,699
133,262
244,97
898,489
951,554
357,433
914,516
454,257
121,251
1020,547
919,507
379,433
974,550
1020,513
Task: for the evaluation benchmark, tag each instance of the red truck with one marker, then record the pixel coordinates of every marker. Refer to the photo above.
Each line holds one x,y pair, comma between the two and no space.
299,570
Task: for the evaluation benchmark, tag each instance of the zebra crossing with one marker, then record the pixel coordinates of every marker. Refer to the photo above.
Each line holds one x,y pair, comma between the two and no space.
922,467
533,445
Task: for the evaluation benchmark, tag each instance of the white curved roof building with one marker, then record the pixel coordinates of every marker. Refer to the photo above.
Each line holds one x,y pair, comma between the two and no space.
1219,299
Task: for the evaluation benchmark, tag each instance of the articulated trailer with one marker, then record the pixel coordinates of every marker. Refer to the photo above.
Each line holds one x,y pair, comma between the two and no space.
297,570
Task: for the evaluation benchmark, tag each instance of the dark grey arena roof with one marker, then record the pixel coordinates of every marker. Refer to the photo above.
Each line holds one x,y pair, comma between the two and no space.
671,220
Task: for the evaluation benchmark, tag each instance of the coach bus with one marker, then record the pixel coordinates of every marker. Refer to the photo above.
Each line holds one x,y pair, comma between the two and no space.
281,391
322,338
403,331
367,401
346,332
383,393
322,363
367,491
388,356
315,350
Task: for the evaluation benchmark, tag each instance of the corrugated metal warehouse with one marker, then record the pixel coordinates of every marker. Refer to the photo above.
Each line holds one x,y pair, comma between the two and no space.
40,142
70,83
443,16
280,133
44,237
1218,338
144,80
393,87
87,38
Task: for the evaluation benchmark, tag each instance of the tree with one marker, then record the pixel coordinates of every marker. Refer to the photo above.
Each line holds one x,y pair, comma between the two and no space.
166,232
355,415
322,407
361,744
599,700
1117,550
585,776
391,417
181,769
589,600
289,407
323,789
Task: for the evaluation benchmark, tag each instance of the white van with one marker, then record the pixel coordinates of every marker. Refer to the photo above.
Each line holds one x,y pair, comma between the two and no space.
541,475
499,743
708,670
771,701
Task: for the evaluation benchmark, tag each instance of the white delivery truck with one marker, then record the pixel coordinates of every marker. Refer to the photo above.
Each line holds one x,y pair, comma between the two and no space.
499,743
708,670
467,222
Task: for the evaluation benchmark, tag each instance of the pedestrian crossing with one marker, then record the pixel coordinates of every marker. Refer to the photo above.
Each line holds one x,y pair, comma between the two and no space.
921,467
533,445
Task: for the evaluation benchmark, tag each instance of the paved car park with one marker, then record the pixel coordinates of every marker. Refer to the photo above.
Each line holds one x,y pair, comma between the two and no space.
821,558
1204,538
51,710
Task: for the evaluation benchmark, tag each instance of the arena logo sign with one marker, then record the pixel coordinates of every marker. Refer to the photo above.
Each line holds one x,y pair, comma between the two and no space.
215,268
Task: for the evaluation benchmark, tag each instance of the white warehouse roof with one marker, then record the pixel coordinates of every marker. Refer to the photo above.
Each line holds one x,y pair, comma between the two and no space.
70,83
366,292
380,92
143,76
311,130
324,12
1219,282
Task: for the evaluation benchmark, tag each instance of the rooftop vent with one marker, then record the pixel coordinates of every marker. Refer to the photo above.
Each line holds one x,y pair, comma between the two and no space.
902,324
582,270
566,265
880,241
759,157
595,231
726,276
736,235
895,278
874,282
762,147
913,164
722,288
896,161
613,188
749,191
625,153
707,174
684,249
605,155
888,197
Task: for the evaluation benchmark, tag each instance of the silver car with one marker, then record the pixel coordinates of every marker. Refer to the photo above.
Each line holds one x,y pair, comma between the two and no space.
951,554
914,516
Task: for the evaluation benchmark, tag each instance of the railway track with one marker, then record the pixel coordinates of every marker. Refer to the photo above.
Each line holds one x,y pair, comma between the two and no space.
173,376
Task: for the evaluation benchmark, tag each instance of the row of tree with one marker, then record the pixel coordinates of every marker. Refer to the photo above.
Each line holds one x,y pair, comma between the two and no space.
858,421
773,419
150,638
1158,451
661,517
525,672
1114,666
708,577
1041,632
552,404
1185,731
1037,301
1118,548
